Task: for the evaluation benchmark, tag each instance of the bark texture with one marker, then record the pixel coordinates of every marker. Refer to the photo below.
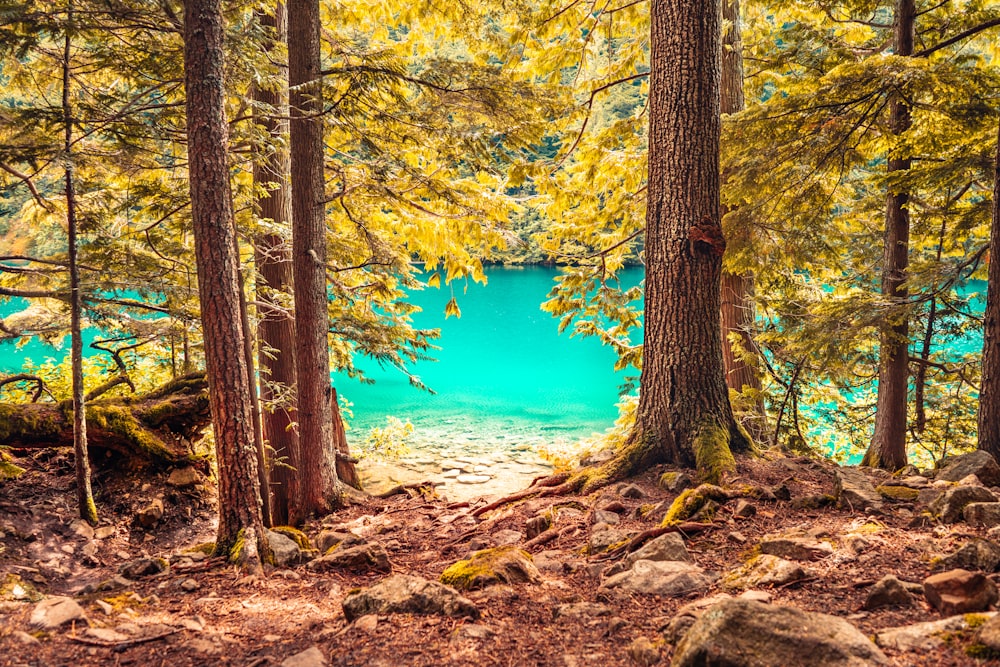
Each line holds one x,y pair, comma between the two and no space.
989,394
737,289
241,529
888,448
319,488
684,415
273,257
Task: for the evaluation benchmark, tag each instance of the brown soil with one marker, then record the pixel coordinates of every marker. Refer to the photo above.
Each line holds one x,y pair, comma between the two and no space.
231,619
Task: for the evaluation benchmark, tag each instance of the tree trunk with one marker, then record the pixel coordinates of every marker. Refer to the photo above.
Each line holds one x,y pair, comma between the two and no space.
241,530
888,448
989,393
684,415
84,492
346,470
737,290
273,257
319,488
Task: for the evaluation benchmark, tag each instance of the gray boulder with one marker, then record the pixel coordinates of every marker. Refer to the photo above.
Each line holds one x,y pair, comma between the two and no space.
982,515
359,557
978,463
404,594
744,633
855,491
663,578
796,548
928,636
960,592
888,592
975,555
950,504
286,551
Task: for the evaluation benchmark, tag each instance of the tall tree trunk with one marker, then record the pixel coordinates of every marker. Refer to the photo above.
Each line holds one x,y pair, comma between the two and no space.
684,415
920,377
273,256
241,529
319,486
737,289
84,492
888,447
989,393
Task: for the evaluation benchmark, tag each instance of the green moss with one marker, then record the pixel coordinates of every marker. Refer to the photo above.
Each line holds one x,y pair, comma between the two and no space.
486,567
668,479
692,500
236,552
186,384
869,528
207,548
894,492
712,456
980,652
12,587
9,471
119,420
295,535
974,621
27,420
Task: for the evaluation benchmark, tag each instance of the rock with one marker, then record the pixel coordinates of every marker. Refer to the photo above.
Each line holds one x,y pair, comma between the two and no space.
578,610
603,536
736,536
982,515
286,551
311,657
979,463
142,567
474,631
764,570
988,635
106,635
664,578
367,623
537,525
104,532
662,548
106,608
149,515
950,503
404,594
51,613
359,557
744,633
24,638
183,478
744,510
81,528
707,512
190,585
643,652
959,592
925,636
328,539
795,548
613,506
855,491
501,565
607,518
674,482
975,555
898,492
813,501
632,491
473,479
508,537
687,615
550,561
888,592
970,480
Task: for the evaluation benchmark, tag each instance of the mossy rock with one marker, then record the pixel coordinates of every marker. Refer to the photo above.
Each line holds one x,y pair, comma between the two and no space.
295,535
502,565
207,548
13,588
690,501
8,470
895,492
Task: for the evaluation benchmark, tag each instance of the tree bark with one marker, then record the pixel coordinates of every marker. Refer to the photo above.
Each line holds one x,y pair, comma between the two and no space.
320,490
273,257
684,415
241,530
737,289
84,493
989,393
888,447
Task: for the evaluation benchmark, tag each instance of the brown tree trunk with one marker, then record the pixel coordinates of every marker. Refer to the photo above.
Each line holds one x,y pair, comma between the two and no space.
319,488
84,492
346,470
684,415
273,256
888,447
241,529
989,393
737,289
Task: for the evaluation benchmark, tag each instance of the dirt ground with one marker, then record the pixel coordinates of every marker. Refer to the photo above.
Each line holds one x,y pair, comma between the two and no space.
204,612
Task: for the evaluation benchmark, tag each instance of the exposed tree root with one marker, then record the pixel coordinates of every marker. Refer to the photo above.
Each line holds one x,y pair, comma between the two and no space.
400,489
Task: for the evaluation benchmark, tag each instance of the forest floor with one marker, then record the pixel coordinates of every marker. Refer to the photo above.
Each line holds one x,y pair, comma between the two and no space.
199,611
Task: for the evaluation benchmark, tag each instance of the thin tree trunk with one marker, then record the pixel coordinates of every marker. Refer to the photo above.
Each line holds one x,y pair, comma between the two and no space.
888,447
84,492
346,470
319,487
241,529
920,377
684,415
989,394
737,289
273,256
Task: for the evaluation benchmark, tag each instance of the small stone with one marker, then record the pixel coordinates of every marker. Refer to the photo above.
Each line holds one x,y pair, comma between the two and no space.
603,536
960,591
578,610
632,491
744,510
970,480
329,538
537,525
795,548
24,638
194,624
982,515
674,482
888,592
474,631
190,585
53,612
613,506
367,623
609,518
975,555
81,528
106,635
898,492
183,478
311,657
764,570
663,578
142,567
756,596
736,536
663,548
643,652
104,607
502,565
950,504
508,537
360,557
149,515
687,615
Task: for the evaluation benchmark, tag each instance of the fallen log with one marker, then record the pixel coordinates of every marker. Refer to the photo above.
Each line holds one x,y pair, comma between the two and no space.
157,427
